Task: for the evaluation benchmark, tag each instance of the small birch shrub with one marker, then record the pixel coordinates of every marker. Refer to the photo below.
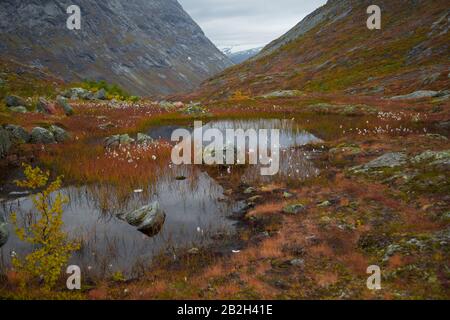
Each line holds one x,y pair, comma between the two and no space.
52,246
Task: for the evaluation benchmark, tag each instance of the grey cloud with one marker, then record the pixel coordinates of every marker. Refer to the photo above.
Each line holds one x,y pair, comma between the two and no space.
248,23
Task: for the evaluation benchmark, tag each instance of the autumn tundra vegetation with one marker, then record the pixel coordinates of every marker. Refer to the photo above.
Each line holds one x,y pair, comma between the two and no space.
364,174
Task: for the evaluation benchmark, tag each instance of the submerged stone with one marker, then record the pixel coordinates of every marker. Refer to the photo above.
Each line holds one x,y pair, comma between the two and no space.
148,219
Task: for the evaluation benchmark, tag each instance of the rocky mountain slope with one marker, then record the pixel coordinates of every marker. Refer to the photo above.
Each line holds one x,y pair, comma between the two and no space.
241,56
145,46
332,50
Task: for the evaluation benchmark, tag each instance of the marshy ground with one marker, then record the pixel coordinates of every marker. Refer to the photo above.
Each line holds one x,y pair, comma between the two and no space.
309,233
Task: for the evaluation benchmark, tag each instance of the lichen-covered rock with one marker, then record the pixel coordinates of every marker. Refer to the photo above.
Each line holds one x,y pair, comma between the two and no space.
148,219
18,134
282,94
62,102
100,94
15,101
19,109
388,160
431,156
42,136
5,142
60,134
417,95
144,139
118,140
295,208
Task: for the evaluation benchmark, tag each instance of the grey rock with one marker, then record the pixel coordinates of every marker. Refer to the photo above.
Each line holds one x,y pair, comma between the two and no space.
42,136
100,94
433,158
417,95
144,139
18,134
294,208
282,94
297,262
62,102
249,190
118,140
4,233
388,160
44,106
148,219
60,134
15,101
19,109
5,142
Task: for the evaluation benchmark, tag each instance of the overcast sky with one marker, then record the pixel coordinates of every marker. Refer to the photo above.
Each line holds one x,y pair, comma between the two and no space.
247,24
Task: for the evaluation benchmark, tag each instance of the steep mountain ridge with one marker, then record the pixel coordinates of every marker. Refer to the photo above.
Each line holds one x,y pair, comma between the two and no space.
332,50
145,46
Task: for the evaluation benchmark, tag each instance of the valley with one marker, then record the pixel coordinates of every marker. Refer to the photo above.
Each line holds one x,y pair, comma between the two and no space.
363,180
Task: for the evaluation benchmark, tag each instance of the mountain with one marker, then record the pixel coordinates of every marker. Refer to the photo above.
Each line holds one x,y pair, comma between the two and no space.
332,50
241,56
145,46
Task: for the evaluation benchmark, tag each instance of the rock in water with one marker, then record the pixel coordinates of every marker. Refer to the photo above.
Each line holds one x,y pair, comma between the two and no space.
148,220
41,135
18,134
5,142
15,101
62,102
4,233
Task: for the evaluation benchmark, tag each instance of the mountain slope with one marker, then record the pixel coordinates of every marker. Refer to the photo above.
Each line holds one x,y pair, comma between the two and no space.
332,50
241,56
145,46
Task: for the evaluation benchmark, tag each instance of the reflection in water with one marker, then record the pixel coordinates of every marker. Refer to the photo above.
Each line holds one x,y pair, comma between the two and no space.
195,208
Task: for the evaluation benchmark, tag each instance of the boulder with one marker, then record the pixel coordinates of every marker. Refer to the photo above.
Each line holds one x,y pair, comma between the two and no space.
100,94
388,160
4,233
42,136
5,142
148,219
15,101
60,134
282,94
417,95
294,208
76,93
44,106
19,109
144,139
62,102
118,140
18,134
